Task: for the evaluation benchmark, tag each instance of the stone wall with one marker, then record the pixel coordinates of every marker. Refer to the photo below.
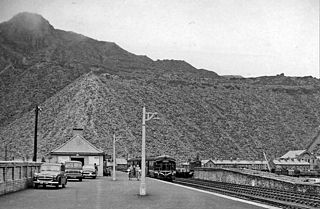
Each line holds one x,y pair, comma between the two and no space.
15,176
254,179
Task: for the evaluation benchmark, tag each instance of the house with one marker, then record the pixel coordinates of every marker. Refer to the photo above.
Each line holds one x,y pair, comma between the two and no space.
79,149
292,164
207,163
298,156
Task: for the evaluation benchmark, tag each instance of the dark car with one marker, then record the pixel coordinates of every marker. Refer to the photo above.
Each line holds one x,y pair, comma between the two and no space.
89,171
74,170
50,174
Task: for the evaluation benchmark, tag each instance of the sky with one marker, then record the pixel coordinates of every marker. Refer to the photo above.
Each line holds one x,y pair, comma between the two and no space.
230,37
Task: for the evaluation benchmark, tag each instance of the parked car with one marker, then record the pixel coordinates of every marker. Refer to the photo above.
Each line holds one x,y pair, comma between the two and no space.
74,170
50,174
89,171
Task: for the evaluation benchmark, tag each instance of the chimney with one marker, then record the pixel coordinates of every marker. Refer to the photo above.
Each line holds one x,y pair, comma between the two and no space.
78,131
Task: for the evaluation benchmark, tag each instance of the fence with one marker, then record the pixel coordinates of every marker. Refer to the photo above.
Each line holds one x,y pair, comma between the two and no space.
16,175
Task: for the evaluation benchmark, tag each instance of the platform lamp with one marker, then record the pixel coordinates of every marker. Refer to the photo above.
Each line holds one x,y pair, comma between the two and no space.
115,139
35,144
146,116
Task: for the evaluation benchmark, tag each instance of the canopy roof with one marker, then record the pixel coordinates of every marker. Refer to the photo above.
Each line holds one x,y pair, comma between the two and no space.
77,145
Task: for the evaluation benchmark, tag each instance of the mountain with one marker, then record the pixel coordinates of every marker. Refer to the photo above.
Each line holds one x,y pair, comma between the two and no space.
97,85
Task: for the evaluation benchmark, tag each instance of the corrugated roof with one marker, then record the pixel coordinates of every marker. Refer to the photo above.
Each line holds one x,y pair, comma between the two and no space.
292,154
77,144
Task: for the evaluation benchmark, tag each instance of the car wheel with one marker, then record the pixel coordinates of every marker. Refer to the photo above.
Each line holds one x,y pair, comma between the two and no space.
94,177
80,179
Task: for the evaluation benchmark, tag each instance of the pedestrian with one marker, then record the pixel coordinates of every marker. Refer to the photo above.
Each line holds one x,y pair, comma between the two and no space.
134,170
63,167
130,172
138,172
96,167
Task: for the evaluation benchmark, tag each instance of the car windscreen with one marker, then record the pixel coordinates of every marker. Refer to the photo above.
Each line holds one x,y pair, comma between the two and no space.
73,165
50,168
88,167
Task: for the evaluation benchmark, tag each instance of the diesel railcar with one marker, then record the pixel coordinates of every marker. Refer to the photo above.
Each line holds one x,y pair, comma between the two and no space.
163,167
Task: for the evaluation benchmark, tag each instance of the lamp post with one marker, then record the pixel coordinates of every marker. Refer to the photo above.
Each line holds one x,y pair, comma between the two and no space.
146,116
35,134
115,139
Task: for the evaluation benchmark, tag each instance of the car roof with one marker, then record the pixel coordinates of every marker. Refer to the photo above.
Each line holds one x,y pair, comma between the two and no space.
51,164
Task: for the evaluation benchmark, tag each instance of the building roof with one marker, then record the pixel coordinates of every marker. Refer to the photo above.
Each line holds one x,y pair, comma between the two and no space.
291,162
239,162
77,145
293,154
205,161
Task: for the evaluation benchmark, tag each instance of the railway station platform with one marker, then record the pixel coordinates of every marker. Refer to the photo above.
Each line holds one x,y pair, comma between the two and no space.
104,193
123,193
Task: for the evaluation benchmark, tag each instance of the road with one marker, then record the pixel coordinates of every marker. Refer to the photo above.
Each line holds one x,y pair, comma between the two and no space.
103,193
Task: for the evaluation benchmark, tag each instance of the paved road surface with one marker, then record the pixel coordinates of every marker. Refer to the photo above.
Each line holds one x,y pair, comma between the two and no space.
103,193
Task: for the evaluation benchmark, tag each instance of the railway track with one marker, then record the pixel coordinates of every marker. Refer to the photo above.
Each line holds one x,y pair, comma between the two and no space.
278,198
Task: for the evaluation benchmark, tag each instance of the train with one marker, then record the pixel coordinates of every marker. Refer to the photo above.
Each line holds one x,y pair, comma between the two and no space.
186,170
160,167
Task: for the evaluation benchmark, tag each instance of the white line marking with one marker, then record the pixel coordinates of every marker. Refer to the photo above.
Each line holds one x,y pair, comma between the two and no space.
221,195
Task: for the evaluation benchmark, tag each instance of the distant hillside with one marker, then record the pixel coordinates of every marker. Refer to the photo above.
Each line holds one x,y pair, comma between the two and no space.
97,85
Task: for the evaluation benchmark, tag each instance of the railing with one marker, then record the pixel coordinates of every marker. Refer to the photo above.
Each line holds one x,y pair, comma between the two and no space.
16,175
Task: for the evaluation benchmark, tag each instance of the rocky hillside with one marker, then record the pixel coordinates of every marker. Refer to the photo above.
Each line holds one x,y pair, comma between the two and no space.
81,82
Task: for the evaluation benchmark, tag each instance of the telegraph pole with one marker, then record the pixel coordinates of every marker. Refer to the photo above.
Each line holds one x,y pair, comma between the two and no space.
143,189
35,134
6,152
115,139
146,116
114,158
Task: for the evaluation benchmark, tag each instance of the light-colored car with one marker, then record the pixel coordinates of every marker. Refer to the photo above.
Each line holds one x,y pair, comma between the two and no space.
89,171
50,174
74,170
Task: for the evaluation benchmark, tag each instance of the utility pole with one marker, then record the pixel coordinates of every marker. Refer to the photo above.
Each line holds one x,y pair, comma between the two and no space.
146,116
115,139
35,144
6,152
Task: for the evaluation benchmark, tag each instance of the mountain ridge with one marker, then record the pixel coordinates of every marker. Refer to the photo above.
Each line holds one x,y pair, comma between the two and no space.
79,81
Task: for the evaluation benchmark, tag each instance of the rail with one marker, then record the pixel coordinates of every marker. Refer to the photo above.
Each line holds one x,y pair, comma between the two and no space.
279,198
